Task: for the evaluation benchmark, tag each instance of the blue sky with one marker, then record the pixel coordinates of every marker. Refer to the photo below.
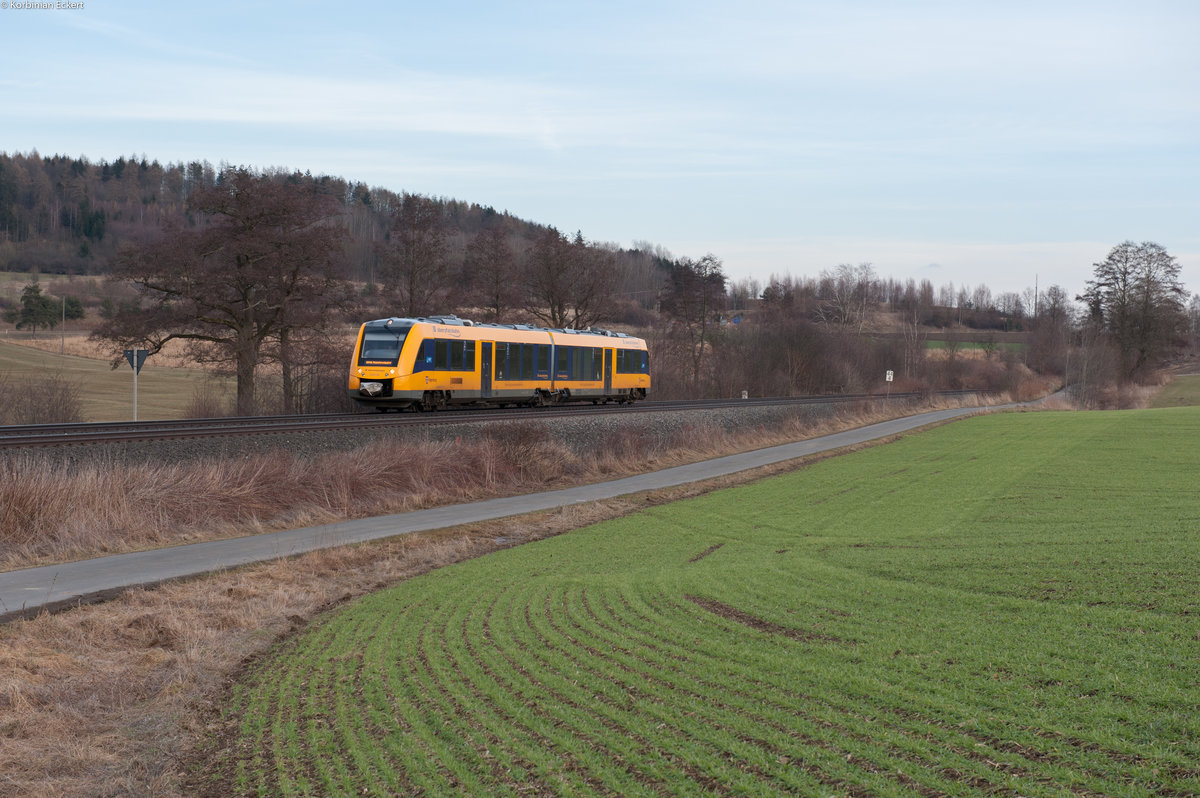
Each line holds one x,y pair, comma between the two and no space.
965,142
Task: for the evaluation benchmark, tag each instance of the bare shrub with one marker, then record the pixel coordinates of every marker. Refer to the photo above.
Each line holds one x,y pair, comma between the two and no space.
52,399
525,452
326,392
208,401
1125,396
629,445
316,375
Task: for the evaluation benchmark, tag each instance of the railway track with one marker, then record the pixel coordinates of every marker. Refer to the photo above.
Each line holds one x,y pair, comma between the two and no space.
41,435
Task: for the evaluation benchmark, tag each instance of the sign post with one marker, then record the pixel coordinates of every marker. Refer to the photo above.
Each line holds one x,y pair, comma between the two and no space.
136,358
889,383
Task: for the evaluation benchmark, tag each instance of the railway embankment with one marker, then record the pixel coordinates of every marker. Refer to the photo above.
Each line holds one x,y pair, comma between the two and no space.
581,434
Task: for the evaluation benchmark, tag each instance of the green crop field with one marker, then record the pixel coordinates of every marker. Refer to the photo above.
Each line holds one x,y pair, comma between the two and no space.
1007,604
964,346
106,393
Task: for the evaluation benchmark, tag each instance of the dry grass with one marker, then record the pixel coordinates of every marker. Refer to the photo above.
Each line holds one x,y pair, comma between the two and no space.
113,699
51,512
1132,397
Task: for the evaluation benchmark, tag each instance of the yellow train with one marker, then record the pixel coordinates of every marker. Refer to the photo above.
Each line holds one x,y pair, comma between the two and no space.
435,362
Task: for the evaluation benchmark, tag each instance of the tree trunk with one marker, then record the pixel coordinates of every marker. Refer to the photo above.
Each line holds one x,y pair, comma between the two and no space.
247,362
285,366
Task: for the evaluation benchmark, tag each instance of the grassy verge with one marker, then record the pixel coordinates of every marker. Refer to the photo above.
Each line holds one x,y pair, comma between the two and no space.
1180,392
976,346
1004,604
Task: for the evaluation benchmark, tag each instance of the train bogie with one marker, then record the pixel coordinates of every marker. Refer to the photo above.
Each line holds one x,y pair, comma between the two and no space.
429,363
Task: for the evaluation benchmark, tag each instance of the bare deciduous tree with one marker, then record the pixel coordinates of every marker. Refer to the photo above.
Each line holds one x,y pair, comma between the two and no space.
264,259
695,298
847,292
491,270
569,283
1137,298
413,261
1193,313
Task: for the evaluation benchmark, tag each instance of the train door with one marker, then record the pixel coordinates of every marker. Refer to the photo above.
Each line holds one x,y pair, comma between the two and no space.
485,371
608,370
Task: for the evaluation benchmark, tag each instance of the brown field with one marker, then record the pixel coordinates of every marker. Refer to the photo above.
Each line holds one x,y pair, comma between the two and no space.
106,393
78,343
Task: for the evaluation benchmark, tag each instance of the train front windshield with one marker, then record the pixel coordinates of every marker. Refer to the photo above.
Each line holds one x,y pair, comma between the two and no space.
381,345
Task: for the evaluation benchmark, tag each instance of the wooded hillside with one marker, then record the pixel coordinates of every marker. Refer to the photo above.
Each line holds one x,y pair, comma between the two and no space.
69,216
259,268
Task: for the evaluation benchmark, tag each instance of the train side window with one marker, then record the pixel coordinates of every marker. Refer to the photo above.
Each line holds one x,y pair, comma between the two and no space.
456,356
527,354
588,354
469,356
441,355
543,361
501,358
597,364
562,366
424,361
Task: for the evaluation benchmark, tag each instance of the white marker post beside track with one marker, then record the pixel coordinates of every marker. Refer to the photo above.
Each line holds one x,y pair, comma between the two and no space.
136,358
